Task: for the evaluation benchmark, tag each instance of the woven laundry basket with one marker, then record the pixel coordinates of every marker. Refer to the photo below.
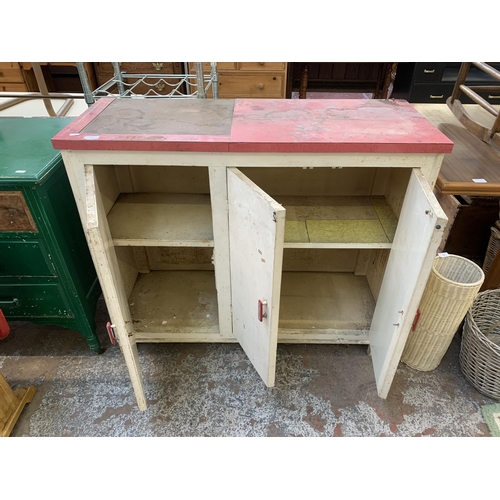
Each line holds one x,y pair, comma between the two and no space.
480,347
493,246
453,284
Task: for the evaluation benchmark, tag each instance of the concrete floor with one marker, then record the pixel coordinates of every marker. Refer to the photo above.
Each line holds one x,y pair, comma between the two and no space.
213,390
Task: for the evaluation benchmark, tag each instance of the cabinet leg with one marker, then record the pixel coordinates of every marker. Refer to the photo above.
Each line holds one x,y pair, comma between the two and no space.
131,355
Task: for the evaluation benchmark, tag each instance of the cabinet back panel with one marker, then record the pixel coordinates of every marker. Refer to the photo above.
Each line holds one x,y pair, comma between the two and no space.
180,258
152,179
320,260
313,182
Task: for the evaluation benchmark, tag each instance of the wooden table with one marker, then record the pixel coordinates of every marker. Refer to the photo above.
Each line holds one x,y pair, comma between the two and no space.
468,185
473,167
258,221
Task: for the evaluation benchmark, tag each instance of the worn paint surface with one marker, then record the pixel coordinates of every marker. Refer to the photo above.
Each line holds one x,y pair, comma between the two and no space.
254,125
212,390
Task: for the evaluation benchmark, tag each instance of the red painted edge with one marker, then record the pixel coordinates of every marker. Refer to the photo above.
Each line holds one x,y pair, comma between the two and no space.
79,123
327,147
116,142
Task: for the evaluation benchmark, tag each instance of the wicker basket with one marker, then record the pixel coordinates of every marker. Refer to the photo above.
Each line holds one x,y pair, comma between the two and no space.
493,246
480,349
453,284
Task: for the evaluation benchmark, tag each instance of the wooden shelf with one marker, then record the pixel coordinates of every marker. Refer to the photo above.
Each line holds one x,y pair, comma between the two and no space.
329,307
179,303
338,222
158,219
181,306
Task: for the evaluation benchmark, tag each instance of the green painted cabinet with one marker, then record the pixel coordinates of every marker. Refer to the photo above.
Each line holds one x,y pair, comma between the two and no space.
46,272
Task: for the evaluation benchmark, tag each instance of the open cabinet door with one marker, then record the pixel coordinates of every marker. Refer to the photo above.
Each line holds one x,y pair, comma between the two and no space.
103,254
256,237
420,229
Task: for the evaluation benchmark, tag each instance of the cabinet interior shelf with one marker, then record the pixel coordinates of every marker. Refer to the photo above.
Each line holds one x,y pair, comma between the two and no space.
161,219
338,221
181,306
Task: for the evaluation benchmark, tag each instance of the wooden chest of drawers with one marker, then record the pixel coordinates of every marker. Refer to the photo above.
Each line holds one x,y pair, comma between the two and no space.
433,82
249,79
11,78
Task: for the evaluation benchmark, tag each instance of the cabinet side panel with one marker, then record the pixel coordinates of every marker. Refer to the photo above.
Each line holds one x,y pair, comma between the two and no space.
108,185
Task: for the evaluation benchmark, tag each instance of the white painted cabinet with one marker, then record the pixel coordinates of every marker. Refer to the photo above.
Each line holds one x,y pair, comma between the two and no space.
259,248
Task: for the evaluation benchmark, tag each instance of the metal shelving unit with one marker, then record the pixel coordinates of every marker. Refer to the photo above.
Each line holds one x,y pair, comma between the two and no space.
127,85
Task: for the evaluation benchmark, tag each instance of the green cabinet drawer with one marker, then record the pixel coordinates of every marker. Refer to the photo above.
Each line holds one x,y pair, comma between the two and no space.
27,300
25,258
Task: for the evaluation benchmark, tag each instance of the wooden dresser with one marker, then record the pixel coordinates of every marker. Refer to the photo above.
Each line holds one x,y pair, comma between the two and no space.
11,78
248,79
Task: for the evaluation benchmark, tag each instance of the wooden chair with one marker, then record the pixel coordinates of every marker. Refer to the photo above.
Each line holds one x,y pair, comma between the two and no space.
490,135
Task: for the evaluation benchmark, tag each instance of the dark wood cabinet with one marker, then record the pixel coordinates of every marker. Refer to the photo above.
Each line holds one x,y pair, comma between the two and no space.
434,82
337,76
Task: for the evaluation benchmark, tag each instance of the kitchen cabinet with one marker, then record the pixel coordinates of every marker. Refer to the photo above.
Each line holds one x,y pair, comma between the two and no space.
258,221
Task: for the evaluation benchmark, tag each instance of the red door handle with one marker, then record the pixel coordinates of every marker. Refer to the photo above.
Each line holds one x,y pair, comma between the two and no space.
416,320
111,333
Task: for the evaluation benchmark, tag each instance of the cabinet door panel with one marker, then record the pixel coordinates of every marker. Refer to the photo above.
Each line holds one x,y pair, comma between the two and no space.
419,232
256,233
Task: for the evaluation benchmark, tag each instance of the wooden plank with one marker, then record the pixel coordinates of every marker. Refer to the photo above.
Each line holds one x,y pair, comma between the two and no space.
154,219
419,233
12,404
256,234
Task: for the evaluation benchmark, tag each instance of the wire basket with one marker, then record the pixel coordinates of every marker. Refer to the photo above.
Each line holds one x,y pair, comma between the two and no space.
453,284
493,247
480,347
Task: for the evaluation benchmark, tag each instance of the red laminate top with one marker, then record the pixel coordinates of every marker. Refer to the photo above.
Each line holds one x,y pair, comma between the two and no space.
253,125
